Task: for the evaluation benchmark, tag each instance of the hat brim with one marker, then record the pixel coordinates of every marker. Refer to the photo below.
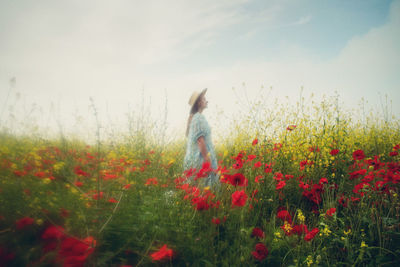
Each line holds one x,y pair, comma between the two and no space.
198,96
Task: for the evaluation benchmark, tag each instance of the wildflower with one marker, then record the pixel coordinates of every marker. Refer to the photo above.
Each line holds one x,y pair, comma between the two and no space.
238,164
300,229
300,216
53,232
287,228
255,142
163,253
358,155
363,245
284,215
151,181
260,252
23,222
251,157
331,211
280,185
258,178
216,221
393,153
239,198
277,234
73,251
200,203
98,196
78,171
257,164
257,232
323,180
291,127
268,168
112,200
205,169
309,260
238,179
127,186
334,152
326,231
311,234
356,174
277,146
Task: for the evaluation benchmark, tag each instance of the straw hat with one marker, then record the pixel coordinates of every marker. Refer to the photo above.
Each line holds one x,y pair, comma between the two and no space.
196,96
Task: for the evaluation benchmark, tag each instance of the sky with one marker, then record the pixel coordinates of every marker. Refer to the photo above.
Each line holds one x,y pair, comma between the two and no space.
135,57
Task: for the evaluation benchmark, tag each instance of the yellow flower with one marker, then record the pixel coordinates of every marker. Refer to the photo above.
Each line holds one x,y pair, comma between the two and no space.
300,216
347,232
363,245
326,231
309,260
46,180
58,166
278,235
39,221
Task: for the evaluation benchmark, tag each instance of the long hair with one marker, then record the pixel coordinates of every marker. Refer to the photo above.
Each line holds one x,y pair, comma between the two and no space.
193,110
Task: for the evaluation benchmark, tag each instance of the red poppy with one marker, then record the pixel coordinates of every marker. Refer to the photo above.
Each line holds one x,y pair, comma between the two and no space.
258,178
201,203
393,153
53,232
356,174
278,176
310,235
300,229
238,164
78,183
257,232
396,147
73,251
284,215
204,171
23,222
239,198
260,252
280,185
112,200
268,168
331,211
98,196
323,180
255,142
277,146
216,221
291,127
334,152
358,155
163,253
257,164
78,170
251,157
151,181
127,186
238,179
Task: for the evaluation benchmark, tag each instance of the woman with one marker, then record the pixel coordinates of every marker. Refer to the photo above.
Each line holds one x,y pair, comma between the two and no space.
199,145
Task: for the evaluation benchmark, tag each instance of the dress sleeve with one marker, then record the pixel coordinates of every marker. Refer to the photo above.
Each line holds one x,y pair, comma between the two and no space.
199,127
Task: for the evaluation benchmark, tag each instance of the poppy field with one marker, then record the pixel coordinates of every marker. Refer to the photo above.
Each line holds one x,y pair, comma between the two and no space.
311,189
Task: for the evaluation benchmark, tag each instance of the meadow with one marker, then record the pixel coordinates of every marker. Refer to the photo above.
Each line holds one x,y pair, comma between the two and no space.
307,185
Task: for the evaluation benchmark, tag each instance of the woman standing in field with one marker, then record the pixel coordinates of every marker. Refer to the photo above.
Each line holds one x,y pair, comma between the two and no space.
200,148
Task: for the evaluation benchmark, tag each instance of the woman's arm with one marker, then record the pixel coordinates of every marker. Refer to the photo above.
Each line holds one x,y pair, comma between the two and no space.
203,148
